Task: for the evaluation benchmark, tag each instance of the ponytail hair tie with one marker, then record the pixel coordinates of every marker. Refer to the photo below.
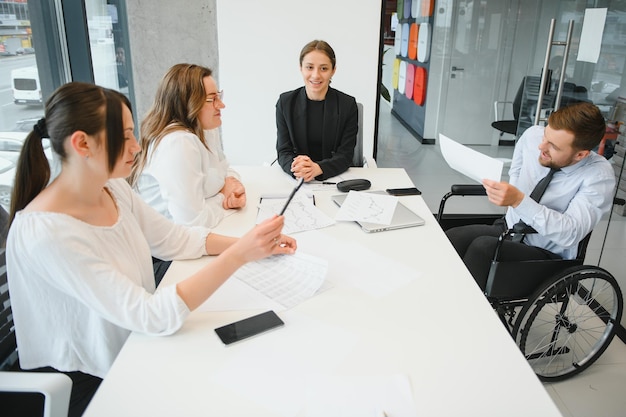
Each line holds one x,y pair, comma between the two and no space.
40,128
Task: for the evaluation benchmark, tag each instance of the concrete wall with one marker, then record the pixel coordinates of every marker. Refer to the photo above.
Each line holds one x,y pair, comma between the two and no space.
163,33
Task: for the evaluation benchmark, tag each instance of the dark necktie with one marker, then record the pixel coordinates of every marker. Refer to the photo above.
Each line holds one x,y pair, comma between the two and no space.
541,186
522,228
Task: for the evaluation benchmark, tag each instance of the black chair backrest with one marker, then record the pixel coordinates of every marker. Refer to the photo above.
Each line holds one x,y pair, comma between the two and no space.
357,159
517,101
528,91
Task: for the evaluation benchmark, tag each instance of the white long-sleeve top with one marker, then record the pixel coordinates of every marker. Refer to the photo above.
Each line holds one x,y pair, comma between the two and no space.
182,179
78,290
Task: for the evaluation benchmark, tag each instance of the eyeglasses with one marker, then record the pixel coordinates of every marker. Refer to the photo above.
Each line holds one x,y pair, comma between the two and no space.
218,96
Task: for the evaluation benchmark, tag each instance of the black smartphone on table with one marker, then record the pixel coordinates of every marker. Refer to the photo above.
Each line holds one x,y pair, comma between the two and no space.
248,327
403,191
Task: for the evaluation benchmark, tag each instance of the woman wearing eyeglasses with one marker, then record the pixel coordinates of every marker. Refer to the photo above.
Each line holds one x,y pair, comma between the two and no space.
316,124
182,171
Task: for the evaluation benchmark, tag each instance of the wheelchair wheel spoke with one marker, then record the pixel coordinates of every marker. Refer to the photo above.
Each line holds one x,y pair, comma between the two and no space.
566,326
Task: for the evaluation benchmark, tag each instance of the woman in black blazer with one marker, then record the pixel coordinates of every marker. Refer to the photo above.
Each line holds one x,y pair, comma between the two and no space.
317,125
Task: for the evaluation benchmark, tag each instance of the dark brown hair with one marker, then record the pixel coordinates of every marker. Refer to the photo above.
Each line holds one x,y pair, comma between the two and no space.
321,46
72,107
584,120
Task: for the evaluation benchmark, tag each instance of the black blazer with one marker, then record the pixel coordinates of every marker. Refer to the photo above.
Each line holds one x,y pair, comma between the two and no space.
340,129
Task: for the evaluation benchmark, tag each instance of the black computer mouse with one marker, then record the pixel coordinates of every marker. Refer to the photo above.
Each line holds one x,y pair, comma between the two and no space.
356,185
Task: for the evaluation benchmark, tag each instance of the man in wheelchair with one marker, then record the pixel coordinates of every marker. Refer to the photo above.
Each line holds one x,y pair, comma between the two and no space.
558,188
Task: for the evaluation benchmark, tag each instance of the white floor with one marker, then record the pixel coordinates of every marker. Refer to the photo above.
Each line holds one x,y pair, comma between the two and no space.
599,391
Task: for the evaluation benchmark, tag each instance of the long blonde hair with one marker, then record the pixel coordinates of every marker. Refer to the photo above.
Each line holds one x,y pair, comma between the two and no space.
177,104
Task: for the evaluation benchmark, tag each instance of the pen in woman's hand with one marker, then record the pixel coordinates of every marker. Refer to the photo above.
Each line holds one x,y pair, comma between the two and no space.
295,190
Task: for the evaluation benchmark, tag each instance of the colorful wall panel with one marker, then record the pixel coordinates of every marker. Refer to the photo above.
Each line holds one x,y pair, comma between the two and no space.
427,7
423,42
397,43
404,45
410,77
419,86
402,77
407,9
400,9
416,8
395,74
413,32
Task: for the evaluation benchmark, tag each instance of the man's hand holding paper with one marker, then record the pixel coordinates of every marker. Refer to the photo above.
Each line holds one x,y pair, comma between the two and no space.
502,193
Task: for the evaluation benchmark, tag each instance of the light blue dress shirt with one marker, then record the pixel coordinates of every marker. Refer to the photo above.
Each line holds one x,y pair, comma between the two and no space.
573,204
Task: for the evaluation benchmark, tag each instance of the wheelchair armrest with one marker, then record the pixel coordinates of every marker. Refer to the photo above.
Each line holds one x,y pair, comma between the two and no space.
462,190
468,189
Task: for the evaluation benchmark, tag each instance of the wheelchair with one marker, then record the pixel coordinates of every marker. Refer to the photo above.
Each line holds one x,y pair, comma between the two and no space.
561,313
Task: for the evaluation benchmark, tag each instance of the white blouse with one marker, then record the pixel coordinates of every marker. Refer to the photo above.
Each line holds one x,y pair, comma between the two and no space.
78,290
182,179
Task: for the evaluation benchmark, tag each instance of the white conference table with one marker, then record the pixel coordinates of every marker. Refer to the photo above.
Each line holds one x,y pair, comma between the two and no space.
437,328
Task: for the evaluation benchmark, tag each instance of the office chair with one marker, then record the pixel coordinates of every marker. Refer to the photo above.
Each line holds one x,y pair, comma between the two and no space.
359,160
509,126
562,314
572,94
24,393
523,107
35,394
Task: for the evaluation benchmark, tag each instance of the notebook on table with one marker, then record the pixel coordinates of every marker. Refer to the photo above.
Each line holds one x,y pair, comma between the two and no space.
402,217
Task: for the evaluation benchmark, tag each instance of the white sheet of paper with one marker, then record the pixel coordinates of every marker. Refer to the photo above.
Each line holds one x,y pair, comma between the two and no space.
286,279
275,283
235,295
467,161
301,213
367,207
591,35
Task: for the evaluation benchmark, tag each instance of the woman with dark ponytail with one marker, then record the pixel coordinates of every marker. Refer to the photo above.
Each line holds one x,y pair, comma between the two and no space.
79,248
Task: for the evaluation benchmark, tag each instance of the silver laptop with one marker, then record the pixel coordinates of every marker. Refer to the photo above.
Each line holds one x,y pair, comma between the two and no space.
402,217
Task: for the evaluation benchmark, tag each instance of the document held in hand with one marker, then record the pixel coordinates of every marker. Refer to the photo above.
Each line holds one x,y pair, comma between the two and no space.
474,164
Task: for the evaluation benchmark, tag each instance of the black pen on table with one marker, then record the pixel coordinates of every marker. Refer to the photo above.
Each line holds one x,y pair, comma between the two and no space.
295,190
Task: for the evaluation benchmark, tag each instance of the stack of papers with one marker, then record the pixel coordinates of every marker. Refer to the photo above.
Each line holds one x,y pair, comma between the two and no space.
301,214
275,283
360,206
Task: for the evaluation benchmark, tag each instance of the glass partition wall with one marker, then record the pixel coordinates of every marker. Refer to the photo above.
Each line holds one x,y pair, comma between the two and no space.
39,51
602,82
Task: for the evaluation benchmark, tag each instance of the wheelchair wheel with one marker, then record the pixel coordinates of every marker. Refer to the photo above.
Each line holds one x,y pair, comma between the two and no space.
569,322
